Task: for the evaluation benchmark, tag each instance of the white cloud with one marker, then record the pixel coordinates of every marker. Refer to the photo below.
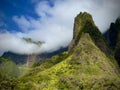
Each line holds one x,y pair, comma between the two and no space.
13,43
55,24
22,22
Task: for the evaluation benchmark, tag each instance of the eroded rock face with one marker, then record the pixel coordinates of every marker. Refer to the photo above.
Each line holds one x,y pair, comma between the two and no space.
117,47
113,35
80,21
114,38
84,24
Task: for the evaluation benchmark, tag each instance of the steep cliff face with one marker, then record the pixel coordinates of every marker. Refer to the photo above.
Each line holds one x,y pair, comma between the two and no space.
117,47
79,23
84,23
114,38
85,67
113,35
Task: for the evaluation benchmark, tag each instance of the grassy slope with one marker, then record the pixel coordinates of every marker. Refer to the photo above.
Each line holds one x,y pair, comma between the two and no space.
87,68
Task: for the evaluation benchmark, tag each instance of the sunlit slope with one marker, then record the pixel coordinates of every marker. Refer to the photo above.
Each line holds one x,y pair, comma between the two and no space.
87,68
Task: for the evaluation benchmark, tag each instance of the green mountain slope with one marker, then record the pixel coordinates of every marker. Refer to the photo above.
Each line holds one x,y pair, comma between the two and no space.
85,67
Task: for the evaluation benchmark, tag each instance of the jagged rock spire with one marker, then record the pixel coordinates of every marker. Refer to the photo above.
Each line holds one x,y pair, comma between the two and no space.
84,24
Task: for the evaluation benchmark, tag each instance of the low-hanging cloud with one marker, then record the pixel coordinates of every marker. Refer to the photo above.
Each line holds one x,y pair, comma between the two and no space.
55,24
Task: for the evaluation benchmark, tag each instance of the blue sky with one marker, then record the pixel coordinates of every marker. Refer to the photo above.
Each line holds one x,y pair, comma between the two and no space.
50,21
9,8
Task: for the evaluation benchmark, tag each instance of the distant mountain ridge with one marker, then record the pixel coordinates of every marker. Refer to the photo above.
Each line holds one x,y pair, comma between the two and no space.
22,59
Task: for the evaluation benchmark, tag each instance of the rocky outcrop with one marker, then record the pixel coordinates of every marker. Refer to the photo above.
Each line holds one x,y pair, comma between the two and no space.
84,23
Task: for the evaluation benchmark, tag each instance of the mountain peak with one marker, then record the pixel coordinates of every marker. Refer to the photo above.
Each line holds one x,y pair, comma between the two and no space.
80,21
84,24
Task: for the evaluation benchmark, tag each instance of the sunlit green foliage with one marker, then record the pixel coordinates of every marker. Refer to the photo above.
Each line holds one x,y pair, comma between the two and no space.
47,63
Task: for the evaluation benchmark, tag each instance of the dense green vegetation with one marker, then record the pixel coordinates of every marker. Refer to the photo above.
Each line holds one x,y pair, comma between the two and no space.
7,83
8,74
48,63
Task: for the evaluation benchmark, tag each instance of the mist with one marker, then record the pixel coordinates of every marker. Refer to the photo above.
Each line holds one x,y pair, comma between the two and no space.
55,24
